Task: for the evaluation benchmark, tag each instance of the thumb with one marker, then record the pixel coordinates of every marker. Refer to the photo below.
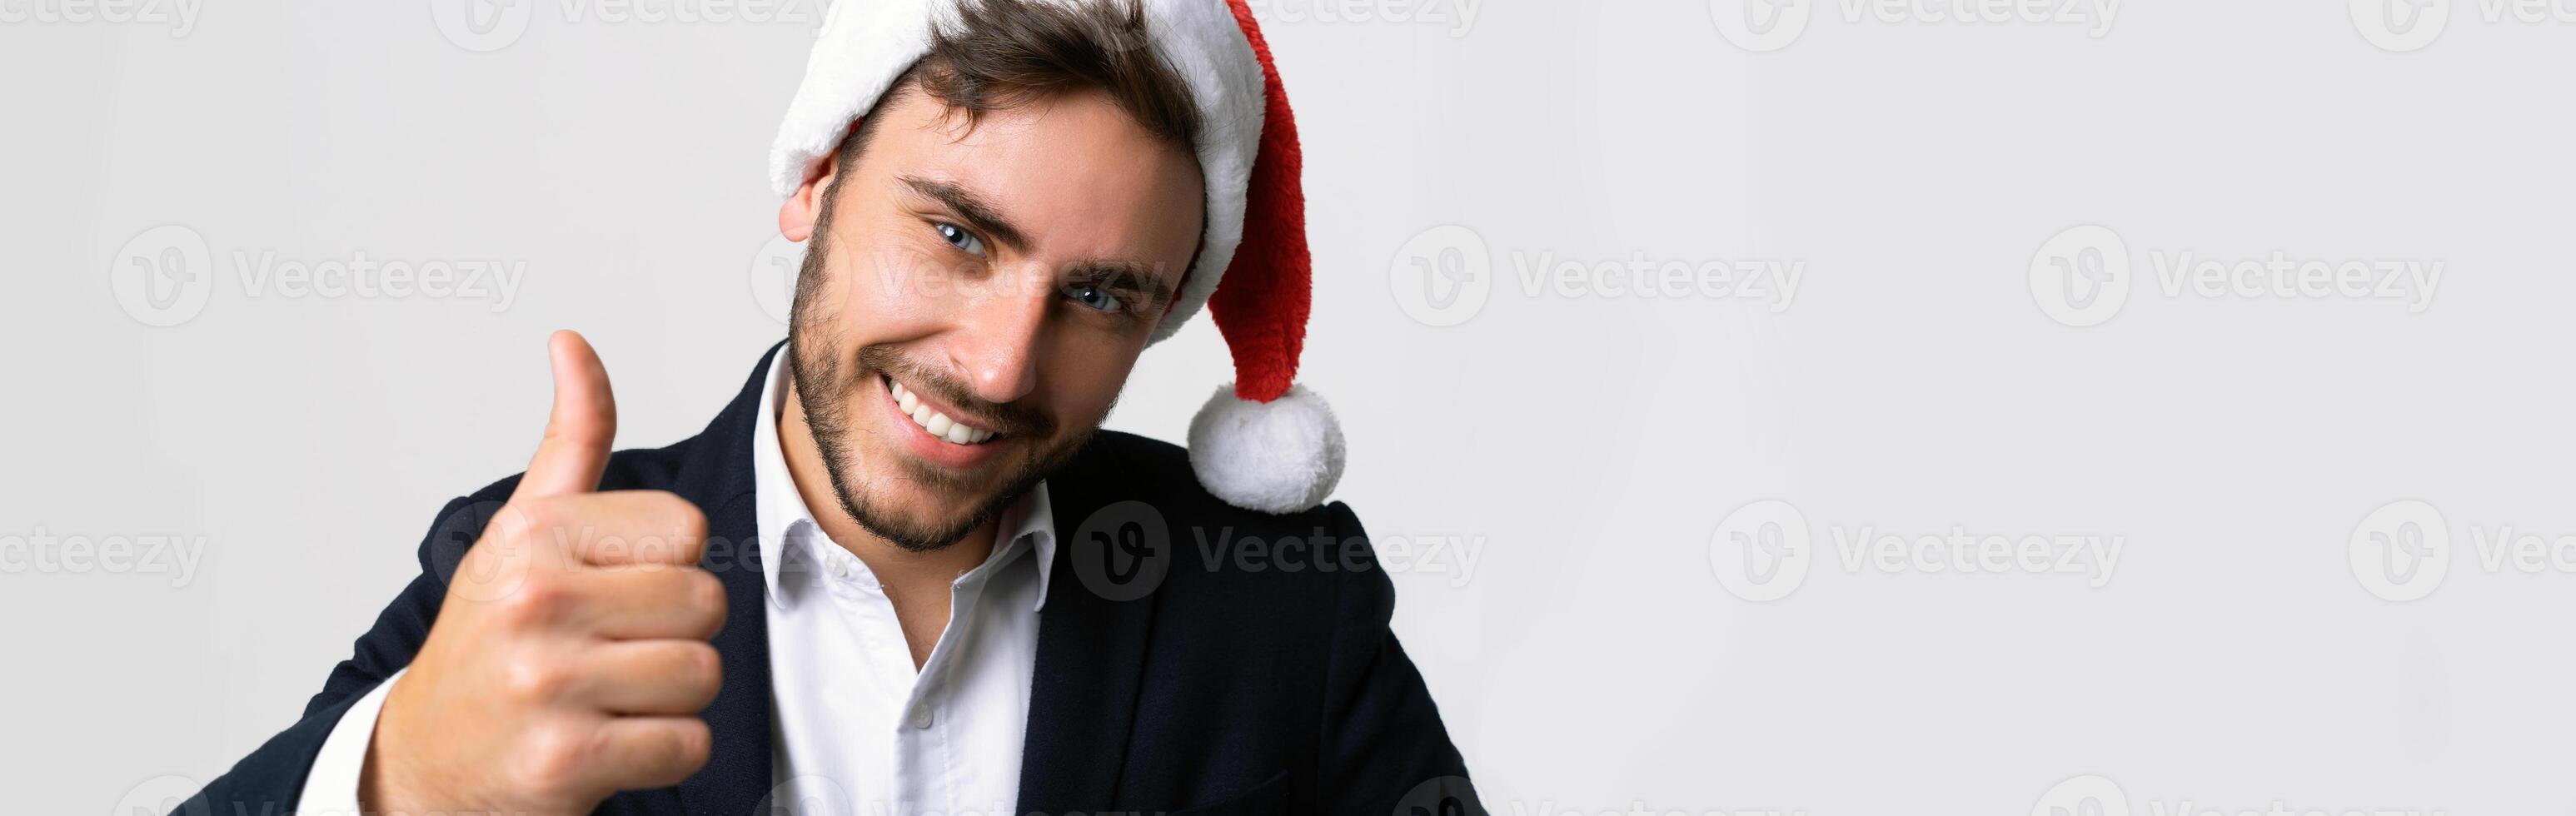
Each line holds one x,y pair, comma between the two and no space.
575,449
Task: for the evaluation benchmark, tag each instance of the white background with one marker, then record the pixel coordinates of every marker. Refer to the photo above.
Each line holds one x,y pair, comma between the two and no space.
1587,446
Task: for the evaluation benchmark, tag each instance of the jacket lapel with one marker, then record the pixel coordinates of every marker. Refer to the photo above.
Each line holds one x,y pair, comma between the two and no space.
718,478
1091,654
1091,650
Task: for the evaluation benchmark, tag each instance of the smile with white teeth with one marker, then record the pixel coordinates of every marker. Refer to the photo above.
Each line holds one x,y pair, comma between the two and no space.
938,424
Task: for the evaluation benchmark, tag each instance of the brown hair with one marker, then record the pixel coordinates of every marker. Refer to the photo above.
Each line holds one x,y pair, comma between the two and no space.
1000,54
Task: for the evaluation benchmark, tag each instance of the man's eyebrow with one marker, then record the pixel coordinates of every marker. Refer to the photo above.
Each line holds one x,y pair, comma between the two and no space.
974,209
1124,277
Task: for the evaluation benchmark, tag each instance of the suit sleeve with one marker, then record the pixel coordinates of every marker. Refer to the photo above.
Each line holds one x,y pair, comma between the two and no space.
1385,750
271,779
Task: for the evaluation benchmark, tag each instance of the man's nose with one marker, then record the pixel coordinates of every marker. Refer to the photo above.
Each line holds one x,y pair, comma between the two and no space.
998,344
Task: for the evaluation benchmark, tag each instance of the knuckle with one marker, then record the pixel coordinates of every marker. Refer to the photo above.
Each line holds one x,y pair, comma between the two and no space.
705,594
688,519
553,759
682,522
534,679
702,668
539,597
691,743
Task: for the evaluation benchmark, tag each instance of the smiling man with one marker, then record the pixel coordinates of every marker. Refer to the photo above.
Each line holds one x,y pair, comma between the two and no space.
904,571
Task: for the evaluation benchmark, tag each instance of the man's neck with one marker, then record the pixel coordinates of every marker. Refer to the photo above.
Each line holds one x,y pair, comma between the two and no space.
906,574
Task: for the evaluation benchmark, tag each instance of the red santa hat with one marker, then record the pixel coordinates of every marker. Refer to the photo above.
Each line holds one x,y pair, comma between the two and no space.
1263,442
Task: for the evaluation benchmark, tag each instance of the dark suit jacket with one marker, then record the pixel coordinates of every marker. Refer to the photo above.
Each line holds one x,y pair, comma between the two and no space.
1164,681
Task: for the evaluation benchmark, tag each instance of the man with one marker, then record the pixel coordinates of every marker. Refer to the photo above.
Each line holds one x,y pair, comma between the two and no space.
904,572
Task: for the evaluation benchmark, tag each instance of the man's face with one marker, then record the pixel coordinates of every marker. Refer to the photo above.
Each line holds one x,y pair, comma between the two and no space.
973,298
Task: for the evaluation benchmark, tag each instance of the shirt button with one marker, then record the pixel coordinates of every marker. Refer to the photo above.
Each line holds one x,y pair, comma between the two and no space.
921,715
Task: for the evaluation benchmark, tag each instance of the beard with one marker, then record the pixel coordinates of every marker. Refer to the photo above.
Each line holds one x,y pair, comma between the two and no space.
828,391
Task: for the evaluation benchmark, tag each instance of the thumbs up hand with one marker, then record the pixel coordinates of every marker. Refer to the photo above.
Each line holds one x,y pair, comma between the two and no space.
569,658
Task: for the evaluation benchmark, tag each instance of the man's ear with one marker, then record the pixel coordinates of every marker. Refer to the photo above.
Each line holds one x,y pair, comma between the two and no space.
796,215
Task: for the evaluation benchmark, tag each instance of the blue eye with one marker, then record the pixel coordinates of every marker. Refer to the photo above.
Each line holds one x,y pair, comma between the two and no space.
1094,297
958,237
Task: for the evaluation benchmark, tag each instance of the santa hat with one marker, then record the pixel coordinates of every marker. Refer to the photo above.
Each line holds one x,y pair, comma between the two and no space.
1263,442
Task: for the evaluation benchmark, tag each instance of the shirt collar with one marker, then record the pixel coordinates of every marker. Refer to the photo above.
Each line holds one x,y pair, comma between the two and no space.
781,509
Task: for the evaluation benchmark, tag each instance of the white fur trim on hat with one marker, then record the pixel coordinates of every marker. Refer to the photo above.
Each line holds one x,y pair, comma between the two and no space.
865,44
1281,456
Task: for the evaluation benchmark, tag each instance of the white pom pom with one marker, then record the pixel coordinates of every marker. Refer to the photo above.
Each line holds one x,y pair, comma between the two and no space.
1281,456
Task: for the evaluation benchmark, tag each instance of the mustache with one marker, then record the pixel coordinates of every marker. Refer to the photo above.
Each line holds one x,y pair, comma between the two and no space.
1011,418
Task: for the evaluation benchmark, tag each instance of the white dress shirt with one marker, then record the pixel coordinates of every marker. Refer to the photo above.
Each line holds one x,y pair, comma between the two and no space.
854,727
